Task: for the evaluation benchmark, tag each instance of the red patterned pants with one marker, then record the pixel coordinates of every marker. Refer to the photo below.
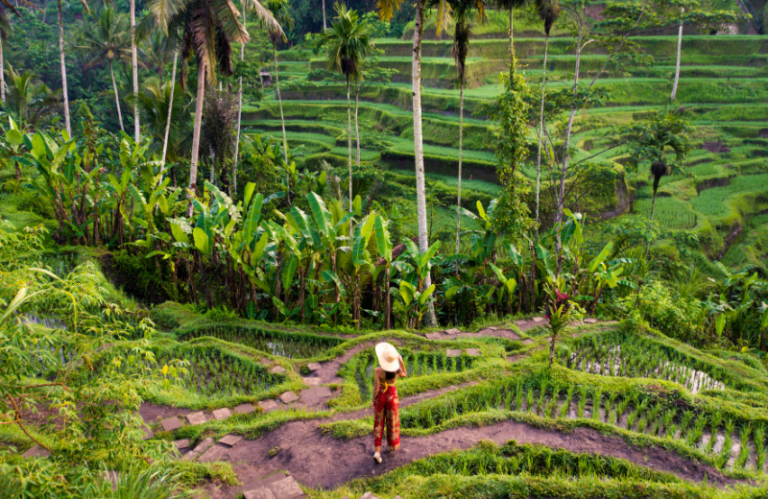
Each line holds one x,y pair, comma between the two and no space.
387,410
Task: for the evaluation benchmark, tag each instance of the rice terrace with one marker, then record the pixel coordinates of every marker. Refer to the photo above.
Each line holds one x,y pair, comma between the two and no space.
384,249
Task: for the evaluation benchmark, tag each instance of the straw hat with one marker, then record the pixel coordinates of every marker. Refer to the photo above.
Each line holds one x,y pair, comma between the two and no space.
388,357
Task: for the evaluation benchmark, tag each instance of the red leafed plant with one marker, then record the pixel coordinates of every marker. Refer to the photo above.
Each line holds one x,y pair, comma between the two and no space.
560,312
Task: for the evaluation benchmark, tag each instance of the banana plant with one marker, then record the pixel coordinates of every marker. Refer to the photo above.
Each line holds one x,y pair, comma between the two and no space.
361,258
412,304
508,285
384,245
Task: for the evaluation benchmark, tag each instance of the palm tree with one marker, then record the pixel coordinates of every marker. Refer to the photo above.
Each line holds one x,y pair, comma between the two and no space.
387,11
347,43
156,101
5,28
461,9
135,69
29,101
511,5
280,10
649,141
209,27
62,58
106,41
679,53
549,11
240,114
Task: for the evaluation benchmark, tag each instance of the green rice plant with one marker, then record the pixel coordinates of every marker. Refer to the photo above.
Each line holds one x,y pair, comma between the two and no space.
582,401
667,420
697,432
685,422
597,397
725,452
671,431
744,434
759,440
715,420
631,419
567,403
641,424
529,400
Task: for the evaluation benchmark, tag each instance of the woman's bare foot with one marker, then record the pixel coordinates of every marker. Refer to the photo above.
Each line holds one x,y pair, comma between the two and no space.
377,457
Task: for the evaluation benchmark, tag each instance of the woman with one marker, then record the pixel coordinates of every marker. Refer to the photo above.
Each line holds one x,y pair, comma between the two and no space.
385,402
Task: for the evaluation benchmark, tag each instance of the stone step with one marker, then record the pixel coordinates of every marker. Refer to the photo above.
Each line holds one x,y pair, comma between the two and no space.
278,486
36,451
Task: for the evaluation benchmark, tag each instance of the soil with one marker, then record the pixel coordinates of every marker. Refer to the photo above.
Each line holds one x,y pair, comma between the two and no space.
319,460
153,413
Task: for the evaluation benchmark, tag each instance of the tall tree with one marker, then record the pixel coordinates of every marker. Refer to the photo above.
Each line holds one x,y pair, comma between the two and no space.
347,43
461,11
63,62
386,11
209,27
511,5
5,28
549,12
281,12
28,101
106,41
649,142
135,70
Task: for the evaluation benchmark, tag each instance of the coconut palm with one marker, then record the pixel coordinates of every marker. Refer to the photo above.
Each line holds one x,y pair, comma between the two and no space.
62,60
347,43
387,10
649,141
28,101
209,27
155,102
135,70
5,28
460,12
511,5
549,12
280,10
106,41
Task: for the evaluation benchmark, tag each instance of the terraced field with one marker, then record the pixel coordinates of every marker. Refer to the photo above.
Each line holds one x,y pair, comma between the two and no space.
624,411
722,91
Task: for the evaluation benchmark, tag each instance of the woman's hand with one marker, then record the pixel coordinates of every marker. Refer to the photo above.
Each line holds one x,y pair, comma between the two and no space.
403,372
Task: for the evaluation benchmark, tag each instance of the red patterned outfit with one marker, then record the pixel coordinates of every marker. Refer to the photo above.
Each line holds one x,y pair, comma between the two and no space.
387,410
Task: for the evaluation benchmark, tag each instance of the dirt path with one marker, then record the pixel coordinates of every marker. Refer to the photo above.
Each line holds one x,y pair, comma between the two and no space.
318,460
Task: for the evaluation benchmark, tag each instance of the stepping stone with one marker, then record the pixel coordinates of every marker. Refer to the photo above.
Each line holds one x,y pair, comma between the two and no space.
244,409
453,353
451,331
203,446
230,440
488,330
538,319
222,413
527,341
36,451
262,493
171,424
214,453
147,433
288,397
287,488
312,381
368,495
473,352
190,456
335,381
277,370
268,405
197,418
314,396
590,320
314,366
182,445
521,322
435,336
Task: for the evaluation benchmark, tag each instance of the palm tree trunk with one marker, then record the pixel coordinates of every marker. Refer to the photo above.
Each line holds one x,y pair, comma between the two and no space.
325,24
418,148
541,134
282,123
349,143
135,67
67,123
461,144
512,36
196,132
679,52
2,74
239,118
117,99
357,129
170,106
650,225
